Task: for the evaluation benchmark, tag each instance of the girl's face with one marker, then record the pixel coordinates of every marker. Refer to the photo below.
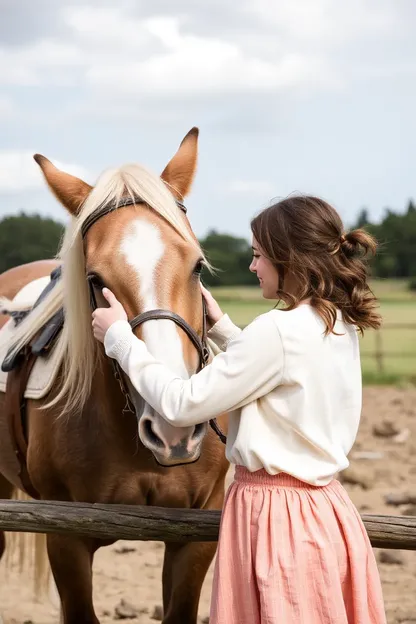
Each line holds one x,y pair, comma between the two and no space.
265,271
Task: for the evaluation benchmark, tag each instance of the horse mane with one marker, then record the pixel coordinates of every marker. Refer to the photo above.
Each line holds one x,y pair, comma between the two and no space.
81,351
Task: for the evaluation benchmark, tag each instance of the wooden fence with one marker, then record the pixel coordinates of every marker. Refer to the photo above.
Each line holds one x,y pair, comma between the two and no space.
379,354
135,522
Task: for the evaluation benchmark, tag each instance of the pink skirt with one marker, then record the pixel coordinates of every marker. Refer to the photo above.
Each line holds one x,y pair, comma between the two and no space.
292,553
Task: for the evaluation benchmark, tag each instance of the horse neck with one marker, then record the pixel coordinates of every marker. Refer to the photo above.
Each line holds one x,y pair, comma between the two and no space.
106,390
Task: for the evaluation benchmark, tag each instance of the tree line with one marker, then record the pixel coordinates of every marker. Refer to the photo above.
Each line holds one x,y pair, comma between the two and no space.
24,238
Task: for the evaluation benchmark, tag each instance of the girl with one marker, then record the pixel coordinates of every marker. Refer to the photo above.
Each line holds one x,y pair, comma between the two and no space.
292,546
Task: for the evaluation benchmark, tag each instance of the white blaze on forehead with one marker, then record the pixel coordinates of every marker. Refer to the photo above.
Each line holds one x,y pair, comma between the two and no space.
143,248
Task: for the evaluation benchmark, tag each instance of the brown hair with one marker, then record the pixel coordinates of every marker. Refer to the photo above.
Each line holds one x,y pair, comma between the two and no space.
304,238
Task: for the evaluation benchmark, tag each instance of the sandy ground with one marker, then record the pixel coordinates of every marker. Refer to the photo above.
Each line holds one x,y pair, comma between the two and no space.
134,576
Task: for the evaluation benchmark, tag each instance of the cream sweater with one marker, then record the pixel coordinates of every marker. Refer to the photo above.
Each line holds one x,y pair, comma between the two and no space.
293,395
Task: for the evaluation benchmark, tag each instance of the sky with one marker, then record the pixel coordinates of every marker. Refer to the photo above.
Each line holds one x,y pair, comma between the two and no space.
309,96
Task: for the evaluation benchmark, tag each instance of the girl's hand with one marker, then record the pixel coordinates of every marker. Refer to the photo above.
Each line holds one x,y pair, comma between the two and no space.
103,318
214,312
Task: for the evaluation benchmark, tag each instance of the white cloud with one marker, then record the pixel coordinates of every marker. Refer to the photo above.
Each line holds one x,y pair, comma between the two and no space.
108,50
109,30
43,62
19,172
121,63
206,66
325,22
261,78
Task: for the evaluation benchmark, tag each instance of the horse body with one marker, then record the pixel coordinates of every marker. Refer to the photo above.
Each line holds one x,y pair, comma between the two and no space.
15,279
89,449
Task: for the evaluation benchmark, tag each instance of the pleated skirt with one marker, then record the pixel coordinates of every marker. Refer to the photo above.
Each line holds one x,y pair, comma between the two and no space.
292,553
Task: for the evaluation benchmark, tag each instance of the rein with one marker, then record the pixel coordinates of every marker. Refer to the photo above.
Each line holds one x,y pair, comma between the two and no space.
199,343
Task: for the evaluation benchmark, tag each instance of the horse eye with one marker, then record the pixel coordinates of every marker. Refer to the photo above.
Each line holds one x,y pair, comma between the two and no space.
198,268
96,281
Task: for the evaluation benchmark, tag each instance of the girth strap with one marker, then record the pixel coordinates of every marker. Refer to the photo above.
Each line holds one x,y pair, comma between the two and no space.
15,410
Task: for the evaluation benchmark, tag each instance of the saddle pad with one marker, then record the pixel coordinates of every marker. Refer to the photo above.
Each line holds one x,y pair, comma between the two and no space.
45,369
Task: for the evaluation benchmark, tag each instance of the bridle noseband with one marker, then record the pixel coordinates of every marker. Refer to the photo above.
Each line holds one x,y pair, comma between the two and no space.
200,344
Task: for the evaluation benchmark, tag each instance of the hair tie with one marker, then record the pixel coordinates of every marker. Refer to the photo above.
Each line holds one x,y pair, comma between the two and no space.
337,247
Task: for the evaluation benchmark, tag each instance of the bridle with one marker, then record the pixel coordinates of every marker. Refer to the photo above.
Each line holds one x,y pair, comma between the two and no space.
200,344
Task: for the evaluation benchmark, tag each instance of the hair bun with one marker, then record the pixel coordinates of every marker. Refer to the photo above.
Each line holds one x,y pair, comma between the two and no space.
357,243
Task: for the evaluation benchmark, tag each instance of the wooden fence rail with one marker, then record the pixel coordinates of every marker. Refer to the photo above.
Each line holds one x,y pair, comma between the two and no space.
135,522
379,354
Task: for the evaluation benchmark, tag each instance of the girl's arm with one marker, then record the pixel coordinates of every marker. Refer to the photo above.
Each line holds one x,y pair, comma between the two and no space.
250,368
223,332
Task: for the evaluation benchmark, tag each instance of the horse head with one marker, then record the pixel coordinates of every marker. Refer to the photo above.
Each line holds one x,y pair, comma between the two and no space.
130,233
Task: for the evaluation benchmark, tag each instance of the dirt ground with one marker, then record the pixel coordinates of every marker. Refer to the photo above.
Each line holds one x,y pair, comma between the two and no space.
381,463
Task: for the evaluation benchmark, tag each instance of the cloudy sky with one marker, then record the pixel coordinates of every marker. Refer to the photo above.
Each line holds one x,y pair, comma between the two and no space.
316,96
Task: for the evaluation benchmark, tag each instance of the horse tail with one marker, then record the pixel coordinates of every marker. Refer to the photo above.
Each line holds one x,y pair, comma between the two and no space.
27,553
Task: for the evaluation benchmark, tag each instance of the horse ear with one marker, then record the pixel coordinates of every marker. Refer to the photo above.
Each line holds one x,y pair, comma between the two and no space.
69,190
180,171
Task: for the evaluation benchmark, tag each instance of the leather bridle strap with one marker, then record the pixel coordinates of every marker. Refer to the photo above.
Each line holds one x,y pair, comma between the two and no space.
152,315
105,209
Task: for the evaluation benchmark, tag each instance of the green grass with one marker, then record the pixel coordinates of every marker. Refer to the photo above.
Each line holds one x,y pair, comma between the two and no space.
397,305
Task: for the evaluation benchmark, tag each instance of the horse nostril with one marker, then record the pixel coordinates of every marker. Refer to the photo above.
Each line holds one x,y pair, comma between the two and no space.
198,431
150,434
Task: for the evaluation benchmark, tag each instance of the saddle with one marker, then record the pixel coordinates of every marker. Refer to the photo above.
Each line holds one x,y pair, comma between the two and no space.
18,367
42,344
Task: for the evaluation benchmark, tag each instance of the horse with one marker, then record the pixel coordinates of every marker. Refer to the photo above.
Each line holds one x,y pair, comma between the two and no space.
16,278
129,232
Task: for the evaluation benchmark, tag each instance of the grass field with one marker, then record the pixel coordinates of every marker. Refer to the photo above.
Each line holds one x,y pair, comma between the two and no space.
397,305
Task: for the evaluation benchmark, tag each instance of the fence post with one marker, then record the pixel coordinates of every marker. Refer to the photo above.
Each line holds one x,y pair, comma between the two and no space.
379,352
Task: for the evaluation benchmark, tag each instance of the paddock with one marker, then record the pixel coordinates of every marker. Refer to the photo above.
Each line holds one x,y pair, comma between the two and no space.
382,469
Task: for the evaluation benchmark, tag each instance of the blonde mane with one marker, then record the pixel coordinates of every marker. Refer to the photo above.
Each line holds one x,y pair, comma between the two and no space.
81,350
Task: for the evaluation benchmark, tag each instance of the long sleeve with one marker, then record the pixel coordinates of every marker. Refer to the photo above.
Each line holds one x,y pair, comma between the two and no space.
251,367
223,332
